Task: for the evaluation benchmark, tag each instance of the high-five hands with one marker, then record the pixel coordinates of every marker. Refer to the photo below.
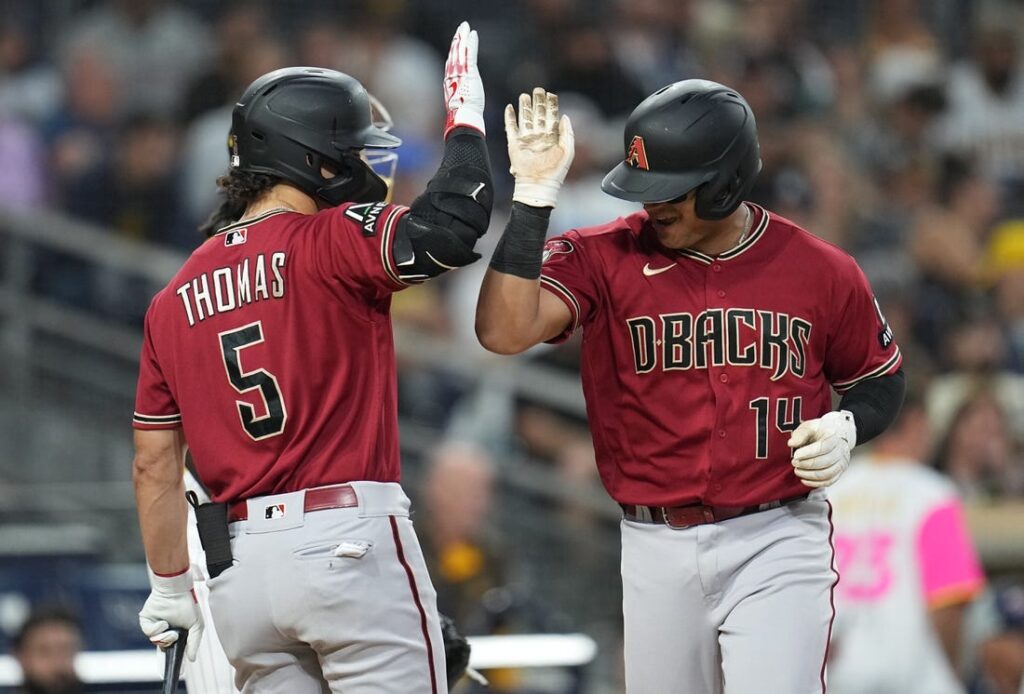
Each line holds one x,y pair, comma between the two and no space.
463,88
540,147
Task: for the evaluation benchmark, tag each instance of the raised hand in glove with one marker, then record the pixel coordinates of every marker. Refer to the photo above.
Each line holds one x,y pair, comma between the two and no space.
823,448
456,650
540,147
463,88
172,604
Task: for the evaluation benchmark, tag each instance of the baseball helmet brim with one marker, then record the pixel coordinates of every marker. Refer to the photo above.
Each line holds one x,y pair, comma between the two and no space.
371,136
636,185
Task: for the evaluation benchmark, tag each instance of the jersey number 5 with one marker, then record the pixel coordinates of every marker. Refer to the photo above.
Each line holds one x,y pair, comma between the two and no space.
232,343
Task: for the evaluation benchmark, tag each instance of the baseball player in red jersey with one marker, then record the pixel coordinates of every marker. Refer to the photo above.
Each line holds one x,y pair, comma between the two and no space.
714,333
270,356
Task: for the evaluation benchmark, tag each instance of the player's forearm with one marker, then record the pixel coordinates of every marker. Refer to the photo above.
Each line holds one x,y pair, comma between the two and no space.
508,311
160,499
875,403
948,624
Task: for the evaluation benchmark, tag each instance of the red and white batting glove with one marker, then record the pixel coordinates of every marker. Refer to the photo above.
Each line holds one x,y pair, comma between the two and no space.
172,604
823,448
463,88
541,146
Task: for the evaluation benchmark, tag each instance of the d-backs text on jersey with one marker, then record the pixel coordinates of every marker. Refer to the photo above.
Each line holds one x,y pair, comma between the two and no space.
228,288
719,337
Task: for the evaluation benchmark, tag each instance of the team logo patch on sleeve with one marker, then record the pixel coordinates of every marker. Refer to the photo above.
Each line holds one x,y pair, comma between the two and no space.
557,247
885,334
366,215
236,237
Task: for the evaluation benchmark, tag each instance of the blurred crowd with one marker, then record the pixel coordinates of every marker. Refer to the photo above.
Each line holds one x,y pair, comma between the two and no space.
893,128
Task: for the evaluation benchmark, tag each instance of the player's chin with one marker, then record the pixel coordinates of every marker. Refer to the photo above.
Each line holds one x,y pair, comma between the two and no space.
670,234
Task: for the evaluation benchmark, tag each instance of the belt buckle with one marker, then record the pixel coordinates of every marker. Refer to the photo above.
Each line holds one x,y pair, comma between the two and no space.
707,511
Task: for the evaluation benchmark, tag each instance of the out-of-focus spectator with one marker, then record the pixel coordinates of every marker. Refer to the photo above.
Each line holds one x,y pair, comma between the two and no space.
1000,650
948,243
986,98
463,559
82,129
781,73
155,46
133,193
652,41
45,648
1006,265
241,30
22,177
899,45
205,144
29,87
398,69
586,63
907,566
979,452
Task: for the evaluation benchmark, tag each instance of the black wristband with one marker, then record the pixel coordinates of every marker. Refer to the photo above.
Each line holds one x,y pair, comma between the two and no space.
874,404
520,250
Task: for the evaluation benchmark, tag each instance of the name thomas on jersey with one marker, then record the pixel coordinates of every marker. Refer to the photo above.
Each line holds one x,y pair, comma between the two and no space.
229,288
717,337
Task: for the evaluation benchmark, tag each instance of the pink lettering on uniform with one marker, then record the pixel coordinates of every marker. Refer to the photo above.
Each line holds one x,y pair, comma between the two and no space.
950,569
864,565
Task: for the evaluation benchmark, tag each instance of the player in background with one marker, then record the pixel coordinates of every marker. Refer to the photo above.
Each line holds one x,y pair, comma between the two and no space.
270,358
909,569
714,333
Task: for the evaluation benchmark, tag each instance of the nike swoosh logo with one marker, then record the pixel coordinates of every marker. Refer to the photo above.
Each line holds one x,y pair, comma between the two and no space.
651,272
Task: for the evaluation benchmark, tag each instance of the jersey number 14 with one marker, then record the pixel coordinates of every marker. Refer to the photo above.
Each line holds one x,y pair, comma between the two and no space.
787,418
232,343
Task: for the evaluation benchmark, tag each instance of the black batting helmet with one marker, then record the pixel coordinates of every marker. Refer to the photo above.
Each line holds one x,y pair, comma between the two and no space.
291,122
693,134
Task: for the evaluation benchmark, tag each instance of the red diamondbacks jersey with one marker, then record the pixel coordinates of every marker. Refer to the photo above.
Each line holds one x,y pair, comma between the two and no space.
695,369
272,348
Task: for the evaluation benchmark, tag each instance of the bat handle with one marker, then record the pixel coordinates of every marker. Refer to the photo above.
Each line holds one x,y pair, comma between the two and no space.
173,655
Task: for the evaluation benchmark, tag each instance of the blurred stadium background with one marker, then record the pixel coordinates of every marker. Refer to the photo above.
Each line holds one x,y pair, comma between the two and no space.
894,128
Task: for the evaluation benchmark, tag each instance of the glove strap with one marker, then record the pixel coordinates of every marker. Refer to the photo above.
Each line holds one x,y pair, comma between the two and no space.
171,584
464,117
536,193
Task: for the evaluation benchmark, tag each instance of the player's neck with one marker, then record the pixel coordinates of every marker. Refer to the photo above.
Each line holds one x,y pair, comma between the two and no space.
281,196
727,233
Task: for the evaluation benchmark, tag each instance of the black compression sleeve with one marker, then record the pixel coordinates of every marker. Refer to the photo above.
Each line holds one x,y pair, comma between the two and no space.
875,404
521,246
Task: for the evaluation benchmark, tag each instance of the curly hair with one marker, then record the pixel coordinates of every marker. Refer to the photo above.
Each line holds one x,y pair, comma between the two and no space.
239,189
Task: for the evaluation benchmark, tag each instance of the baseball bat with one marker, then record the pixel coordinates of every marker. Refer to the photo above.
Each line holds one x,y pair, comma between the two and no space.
173,656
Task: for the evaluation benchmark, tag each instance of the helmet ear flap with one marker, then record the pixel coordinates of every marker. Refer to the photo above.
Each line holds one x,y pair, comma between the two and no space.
715,199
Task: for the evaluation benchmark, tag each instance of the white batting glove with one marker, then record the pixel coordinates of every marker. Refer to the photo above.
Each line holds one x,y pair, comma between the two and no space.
540,146
463,88
172,604
823,448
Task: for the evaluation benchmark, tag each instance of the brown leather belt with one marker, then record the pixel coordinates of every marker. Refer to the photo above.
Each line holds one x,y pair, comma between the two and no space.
680,517
317,499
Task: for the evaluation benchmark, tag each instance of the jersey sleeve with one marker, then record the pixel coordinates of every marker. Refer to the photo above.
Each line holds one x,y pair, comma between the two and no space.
155,407
950,570
566,274
861,345
357,246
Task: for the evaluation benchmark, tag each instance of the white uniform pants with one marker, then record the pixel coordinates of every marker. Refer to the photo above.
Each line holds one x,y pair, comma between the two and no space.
742,606
335,600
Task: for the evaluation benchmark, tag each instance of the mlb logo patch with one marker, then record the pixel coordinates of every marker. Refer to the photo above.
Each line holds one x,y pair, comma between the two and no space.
274,511
236,237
